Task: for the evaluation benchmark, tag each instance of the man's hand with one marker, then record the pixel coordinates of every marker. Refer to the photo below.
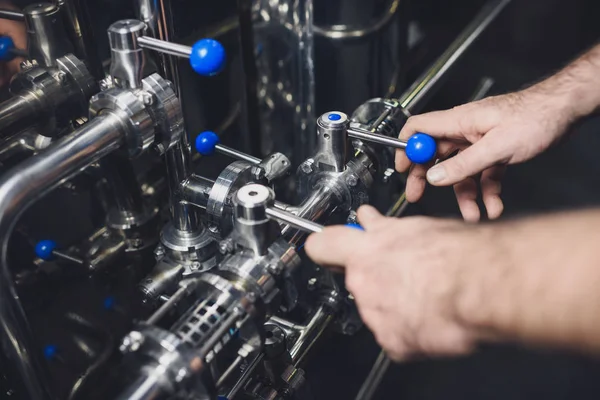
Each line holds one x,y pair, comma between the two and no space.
438,287
402,274
16,30
489,134
502,130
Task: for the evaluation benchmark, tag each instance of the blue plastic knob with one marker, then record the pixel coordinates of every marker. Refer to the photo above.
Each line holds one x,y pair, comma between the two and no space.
50,351
355,226
334,117
109,303
6,48
421,148
44,249
206,142
208,57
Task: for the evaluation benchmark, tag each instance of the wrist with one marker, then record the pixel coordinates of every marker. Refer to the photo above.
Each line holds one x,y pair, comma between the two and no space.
477,301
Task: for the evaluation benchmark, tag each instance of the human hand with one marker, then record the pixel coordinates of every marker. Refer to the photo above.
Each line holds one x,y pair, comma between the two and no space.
489,134
17,31
404,275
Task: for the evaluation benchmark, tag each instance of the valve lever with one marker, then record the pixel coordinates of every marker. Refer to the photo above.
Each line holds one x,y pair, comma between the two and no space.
46,250
420,148
207,56
299,223
208,142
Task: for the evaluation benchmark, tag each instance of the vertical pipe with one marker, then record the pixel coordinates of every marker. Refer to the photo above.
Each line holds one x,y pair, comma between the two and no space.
178,158
123,184
19,189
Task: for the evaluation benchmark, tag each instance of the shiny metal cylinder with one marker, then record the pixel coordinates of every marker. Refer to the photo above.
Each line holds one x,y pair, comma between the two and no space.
377,138
148,12
196,190
47,37
19,189
127,57
123,184
164,47
319,204
311,333
238,155
415,97
184,217
293,220
19,110
251,223
12,15
332,141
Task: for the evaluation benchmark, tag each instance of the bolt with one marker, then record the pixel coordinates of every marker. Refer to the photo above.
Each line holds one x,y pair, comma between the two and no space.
352,217
62,77
159,252
307,166
258,173
352,180
146,98
312,283
387,175
106,83
213,228
195,266
226,247
136,243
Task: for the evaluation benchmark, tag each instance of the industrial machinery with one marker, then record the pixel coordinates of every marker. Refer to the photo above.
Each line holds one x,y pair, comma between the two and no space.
222,303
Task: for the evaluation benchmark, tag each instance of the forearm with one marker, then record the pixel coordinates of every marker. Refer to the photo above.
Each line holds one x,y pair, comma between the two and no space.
538,282
576,88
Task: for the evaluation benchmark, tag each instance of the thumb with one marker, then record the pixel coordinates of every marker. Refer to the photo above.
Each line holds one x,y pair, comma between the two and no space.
470,161
368,216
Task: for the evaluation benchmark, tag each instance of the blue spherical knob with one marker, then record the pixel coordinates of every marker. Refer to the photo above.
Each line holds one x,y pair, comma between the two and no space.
6,48
355,226
421,148
50,351
44,249
109,303
208,57
206,143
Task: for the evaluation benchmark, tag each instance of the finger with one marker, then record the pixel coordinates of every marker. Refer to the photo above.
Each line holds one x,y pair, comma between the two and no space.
369,217
474,159
466,196
456,123
416,182
334,246
491,187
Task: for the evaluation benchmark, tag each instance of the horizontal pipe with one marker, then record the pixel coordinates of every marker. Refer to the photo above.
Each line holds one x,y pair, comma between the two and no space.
293,220
19,189
18,112
164,47
12,15
371,137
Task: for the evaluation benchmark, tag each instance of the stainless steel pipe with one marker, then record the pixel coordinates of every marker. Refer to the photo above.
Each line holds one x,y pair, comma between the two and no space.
19,189
414,98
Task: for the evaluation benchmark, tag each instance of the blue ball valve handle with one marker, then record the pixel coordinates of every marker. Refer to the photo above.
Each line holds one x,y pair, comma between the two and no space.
7,49
47,251
208,57
206,143
421,148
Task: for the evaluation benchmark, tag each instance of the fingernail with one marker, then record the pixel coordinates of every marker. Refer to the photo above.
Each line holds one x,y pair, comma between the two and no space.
436,174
